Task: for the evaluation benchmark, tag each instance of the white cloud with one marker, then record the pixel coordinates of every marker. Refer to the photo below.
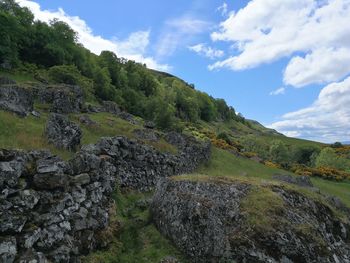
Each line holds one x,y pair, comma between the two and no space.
279,91
323,65
206,51
133,48
267,30
327,119
223,9
179,32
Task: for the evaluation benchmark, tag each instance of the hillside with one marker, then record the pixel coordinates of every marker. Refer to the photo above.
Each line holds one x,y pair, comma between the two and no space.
105,160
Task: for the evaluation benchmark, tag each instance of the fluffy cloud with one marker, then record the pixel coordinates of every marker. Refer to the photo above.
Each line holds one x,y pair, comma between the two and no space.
134,47
323,65
279,91
206,51
327,119
179,32
267,30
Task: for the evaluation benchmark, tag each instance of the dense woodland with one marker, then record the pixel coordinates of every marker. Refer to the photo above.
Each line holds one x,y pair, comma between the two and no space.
52,52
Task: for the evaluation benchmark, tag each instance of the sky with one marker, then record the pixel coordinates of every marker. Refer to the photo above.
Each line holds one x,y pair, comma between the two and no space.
284,63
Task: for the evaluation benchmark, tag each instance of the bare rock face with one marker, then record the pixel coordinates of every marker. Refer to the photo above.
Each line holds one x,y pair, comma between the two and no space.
209,221
63,133
62,98
52,210
16,99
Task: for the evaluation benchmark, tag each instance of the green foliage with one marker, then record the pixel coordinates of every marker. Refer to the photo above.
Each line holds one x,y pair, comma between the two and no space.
329,158
103,85
69,74
304,154
278,152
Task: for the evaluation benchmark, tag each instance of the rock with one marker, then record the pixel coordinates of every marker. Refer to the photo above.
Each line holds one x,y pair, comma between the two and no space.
87,121
169,259
59,210
63,98
6,81
175,139
149,125
63,133
10,173
148,135
111,107
16,99
51,181
31,256
208,221
80,179
303,181
36,114
128,117
8,249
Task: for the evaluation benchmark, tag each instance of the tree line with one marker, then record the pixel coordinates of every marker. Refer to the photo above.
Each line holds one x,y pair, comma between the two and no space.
51,51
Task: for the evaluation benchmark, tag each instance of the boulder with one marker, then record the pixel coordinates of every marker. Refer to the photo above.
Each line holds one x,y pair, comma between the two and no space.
63,133
128,117
146,134
111,107
63,98
149,125
16,99
224,220
8,249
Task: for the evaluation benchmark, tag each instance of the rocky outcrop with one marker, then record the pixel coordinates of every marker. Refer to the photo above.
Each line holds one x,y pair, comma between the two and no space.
51,209
141,166
62,98
62,133
58,210
16,99
146,134
209,221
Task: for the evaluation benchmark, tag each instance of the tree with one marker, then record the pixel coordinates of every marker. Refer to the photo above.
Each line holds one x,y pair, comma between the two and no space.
303,154
278,152
102,85
329,158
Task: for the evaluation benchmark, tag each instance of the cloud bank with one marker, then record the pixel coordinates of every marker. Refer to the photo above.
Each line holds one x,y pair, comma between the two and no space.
327,119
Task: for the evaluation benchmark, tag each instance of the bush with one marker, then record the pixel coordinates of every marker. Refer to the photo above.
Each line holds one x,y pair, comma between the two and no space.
69,74
323,172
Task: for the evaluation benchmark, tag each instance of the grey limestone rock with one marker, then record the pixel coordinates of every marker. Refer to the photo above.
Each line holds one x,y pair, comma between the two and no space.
63,133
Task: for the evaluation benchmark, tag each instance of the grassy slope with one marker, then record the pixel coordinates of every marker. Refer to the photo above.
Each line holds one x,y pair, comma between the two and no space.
28,133
226,164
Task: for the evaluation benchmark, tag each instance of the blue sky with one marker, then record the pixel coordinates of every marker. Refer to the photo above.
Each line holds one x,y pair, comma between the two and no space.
283,63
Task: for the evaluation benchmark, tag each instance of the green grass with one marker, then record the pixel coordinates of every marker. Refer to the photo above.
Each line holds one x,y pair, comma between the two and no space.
19,77
225,164
110,125
26,133
339,189
139,241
